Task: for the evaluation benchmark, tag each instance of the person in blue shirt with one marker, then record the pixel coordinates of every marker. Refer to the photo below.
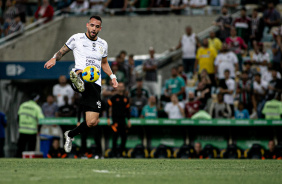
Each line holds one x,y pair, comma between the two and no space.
3,123
241,112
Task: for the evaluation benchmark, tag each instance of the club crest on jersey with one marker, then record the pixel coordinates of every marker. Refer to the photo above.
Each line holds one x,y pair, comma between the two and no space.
101,49
94,45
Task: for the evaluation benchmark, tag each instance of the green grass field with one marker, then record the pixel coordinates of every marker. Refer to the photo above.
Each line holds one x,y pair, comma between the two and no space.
134,171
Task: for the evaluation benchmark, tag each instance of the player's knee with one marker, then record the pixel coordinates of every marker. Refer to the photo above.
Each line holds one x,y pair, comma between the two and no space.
92,122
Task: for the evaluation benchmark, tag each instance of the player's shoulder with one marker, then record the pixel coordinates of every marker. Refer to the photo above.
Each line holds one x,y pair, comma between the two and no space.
102,41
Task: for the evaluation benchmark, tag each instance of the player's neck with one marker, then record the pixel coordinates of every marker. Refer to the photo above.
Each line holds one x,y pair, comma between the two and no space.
94,39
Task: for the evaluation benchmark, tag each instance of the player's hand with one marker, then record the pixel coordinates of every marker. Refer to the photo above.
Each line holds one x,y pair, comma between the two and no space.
128,124
115,83
109,121
49,64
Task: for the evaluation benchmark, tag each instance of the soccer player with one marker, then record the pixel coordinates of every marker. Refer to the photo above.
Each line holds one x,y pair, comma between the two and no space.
88,49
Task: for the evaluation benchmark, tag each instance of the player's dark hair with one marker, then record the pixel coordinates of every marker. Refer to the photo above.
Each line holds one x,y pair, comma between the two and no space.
96,17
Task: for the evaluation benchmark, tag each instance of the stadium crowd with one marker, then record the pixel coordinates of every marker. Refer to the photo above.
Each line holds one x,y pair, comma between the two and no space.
15,14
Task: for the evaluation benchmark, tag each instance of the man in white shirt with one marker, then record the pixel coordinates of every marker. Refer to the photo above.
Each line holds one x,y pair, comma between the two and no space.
78,7
228,90
259,94
62,89
174,109
198,6
261,58
88,50
178,5
188,43
226,60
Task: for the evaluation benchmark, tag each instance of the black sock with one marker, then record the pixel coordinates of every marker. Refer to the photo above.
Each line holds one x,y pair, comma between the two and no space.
80,129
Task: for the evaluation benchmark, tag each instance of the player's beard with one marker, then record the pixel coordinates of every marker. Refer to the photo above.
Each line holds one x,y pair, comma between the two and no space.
92,37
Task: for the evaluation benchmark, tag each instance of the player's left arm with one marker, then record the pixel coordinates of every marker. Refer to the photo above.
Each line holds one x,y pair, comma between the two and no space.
107,69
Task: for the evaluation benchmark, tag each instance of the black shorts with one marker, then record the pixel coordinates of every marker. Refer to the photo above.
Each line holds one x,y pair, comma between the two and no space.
91,97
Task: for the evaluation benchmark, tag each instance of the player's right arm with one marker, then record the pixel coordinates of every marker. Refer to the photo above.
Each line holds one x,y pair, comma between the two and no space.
57,56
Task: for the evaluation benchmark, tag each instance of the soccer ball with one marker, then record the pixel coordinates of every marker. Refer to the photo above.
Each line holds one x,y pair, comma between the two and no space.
90,74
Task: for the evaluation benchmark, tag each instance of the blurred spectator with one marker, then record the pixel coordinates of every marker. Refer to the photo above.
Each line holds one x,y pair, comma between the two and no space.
174,109
1,8
45,11
227,88
139,101
150,66
120,75
226,60
277,53
224,23
271,16
117,4
141,3
28,115
180,70
174,85
150,111
62,89
203,92
251,71
62,4
188,43
220,109
257,26
275,84
237,45
244,91
260,88
77,7
139,85
273,108
178,5
3,124
201,114
122,65
107,91
205,76
230,4
96,6
55,151
271,152
198,6
205,59
243,25
214,42
16,25
66,110
9,14
198,150
49,108
241,112
261,58
132,78
21,6
192,106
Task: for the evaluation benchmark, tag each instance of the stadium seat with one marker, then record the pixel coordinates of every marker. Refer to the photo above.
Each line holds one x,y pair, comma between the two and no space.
255,152
119,153
185,151
231,152
210,151
161,151
138,152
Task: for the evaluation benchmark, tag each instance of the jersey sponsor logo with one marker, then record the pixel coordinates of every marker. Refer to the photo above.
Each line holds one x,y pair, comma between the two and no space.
99,104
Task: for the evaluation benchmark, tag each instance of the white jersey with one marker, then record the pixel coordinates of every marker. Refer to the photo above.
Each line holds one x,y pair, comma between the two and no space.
87,52
189,46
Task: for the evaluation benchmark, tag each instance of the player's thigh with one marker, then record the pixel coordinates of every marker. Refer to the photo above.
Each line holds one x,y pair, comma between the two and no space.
92,118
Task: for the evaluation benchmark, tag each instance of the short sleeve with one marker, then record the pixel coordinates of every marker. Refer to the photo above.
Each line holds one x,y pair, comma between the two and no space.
71,42
106,50
55,91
